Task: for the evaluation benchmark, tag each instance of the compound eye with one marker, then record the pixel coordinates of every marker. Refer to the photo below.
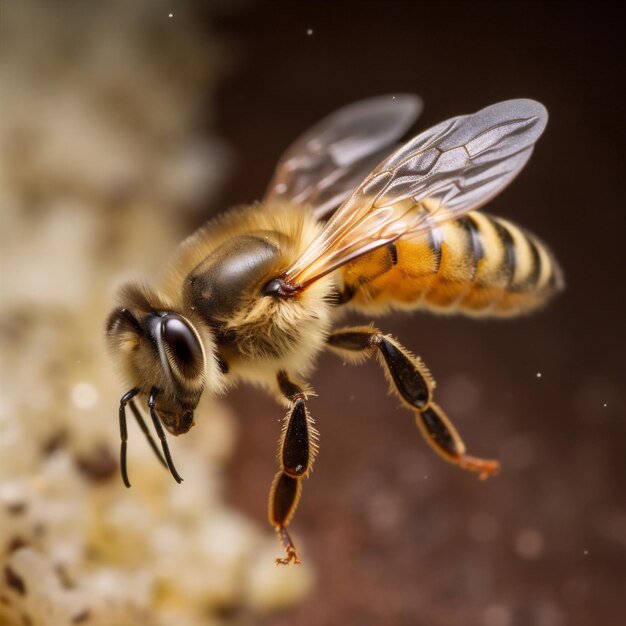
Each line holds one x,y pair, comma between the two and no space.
182,344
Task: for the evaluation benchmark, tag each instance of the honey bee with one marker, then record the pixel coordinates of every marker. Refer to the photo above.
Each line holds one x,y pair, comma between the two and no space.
253,295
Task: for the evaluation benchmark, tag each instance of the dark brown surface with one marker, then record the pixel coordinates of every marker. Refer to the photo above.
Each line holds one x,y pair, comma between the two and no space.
398,536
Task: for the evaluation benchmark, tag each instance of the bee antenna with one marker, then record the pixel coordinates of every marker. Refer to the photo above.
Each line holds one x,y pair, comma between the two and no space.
161,434
125,399
146,432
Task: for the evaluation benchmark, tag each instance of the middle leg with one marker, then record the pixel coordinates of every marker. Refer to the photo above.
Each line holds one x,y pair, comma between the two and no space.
296,453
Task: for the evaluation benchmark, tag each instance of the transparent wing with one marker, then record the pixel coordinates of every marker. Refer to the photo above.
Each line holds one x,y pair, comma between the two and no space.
326,164
452,168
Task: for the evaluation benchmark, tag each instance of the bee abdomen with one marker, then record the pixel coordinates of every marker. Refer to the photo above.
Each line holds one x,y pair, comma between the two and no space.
478,264
518,273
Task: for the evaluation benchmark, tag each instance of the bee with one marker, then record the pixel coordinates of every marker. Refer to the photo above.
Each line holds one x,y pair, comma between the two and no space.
254,294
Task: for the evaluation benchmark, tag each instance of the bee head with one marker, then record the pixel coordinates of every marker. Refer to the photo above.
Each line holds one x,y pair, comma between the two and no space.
160,349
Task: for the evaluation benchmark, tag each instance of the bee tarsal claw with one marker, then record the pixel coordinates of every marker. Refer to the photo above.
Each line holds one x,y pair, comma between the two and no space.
292,558
483,467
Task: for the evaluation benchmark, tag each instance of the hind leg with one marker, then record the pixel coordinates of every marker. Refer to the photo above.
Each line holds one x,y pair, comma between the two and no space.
411,381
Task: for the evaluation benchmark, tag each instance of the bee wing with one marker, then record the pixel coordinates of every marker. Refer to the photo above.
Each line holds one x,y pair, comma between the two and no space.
325,165
452,168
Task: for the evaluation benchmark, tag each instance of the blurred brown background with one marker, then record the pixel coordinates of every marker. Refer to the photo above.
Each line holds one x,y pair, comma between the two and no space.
399,537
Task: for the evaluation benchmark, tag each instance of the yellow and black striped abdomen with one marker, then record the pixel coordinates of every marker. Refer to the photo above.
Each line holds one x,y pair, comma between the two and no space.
477,265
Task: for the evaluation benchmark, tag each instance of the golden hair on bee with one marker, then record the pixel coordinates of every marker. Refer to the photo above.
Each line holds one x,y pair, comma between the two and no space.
348,224
261,240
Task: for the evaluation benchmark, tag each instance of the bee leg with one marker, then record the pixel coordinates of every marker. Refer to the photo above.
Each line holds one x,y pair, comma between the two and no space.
125,399
161,434
413,384
444,438
284,496
296,453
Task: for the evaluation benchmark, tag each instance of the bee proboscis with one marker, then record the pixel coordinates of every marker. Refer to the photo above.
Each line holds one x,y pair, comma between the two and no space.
254,294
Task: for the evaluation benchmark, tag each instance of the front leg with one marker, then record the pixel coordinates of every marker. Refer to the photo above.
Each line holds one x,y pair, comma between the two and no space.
413,384
296,452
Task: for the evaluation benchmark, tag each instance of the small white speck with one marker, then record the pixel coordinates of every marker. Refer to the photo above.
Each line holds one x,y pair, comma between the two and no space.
586,552
171,15
309,31
393,97
84,395
538,374
604,405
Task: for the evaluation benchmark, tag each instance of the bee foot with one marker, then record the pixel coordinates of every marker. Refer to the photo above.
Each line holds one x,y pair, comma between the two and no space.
292,557
484,467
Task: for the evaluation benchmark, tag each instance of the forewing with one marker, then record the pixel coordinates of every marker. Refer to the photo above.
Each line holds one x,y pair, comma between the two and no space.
327,163
452,168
